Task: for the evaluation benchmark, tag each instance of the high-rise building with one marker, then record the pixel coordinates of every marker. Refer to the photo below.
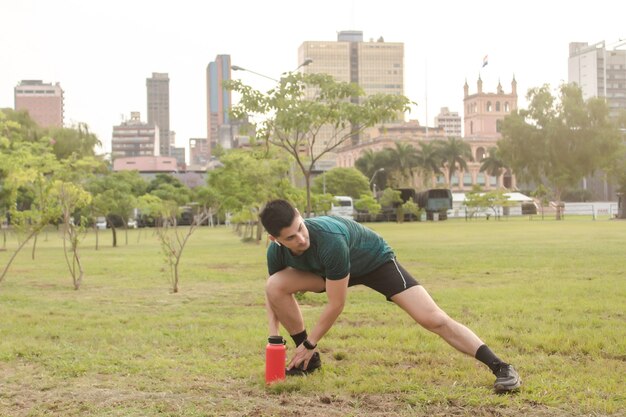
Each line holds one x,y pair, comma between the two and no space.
600,71
449,121
376,66
158,88
43,102
134,138
219,99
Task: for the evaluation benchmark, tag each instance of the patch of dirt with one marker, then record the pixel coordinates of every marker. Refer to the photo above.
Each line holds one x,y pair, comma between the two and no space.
28,390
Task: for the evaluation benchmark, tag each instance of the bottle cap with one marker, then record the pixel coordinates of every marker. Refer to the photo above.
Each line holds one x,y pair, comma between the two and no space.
276,340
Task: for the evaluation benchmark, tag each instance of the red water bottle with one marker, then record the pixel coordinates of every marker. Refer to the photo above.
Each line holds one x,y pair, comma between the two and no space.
275,356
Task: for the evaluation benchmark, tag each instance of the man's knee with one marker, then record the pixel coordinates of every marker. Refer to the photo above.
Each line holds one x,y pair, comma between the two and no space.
273,286
436,321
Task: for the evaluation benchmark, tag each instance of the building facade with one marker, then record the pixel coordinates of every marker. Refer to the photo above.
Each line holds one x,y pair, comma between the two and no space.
42,101
450,122
483,114
600,71
219,101
158,90
134,138
199,154
376,66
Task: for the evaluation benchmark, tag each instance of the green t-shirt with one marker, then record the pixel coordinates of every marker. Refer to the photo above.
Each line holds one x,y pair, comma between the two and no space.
338,246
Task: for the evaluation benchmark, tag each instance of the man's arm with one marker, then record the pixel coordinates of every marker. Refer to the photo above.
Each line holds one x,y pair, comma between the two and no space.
336,291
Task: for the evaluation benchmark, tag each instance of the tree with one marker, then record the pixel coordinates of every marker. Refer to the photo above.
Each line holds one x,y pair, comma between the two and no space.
368,204
541,194
558,140
30,167
210,201
428,160
114,198
374,166
403,160
342,181
249,179
393,198
72,197
478,201
302,106
75,140
493,164
454,155
172,237
617,170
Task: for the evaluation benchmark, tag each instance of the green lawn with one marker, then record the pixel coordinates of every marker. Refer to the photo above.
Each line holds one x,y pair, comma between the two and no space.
548,296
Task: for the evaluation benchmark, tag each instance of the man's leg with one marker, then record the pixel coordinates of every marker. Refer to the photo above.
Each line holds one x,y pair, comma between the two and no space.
281,303
282,307
423,309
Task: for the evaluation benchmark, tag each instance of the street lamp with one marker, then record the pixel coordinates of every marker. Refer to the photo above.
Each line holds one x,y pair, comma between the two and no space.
238,68
372,183
306,62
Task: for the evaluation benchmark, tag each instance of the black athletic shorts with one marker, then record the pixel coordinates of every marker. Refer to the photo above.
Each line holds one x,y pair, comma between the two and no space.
389,279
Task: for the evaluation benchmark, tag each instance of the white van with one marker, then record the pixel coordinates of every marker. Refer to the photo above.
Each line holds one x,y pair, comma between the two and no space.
101,223
342,206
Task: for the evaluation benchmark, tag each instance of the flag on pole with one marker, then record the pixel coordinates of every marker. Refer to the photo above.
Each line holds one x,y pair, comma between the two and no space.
485,61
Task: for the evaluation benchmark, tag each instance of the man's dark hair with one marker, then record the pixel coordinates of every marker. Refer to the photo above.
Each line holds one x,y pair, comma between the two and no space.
277,215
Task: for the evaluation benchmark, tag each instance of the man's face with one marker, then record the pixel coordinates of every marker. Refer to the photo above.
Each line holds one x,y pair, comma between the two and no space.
295,237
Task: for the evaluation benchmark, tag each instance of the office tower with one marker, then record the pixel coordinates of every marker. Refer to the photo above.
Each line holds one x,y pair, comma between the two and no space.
376,66
218,99
449,121
44,102
134,138
600,71
158,88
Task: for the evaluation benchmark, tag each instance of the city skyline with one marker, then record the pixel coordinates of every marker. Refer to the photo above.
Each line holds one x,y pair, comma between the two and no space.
102,52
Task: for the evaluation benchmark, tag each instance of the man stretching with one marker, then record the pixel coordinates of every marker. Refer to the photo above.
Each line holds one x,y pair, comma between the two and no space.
329,254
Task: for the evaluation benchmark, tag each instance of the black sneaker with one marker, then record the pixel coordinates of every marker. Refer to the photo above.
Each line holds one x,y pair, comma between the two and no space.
507,379
314,364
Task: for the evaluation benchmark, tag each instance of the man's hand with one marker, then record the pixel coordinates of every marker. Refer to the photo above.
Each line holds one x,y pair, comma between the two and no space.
303,355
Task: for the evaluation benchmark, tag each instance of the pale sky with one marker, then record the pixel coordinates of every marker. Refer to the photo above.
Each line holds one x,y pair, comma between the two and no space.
102,51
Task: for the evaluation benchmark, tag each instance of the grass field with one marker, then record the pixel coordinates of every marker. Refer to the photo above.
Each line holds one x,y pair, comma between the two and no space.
548,296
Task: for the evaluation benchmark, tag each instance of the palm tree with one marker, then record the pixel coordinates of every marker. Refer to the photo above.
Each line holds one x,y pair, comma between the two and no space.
367,163
455,153
428,160
493,164
404,159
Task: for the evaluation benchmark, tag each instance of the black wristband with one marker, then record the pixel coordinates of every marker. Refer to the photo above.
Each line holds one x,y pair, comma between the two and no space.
309,345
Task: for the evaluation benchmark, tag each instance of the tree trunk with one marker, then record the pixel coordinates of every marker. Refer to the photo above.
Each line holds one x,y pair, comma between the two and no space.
34,247
559,204
307,181
6,268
